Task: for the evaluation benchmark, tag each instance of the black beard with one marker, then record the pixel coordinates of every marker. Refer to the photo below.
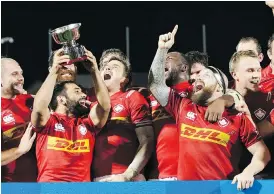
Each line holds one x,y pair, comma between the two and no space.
172,79
76,109
202,98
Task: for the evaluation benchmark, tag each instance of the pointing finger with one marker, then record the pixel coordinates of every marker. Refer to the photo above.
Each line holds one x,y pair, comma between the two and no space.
174,31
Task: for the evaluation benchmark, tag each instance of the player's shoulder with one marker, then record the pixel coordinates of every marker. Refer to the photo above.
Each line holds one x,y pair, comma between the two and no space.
24,97
142,90
24,100
57,119
234,115
131,94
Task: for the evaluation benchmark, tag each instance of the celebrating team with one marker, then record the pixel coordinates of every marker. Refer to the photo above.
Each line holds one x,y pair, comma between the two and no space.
190,124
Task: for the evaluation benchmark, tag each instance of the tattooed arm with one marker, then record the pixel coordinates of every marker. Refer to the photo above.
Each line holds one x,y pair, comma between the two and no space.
156,77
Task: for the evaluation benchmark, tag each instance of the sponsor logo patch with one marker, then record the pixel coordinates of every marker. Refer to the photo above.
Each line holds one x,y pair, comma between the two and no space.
204,134
8,119
191,115
78,146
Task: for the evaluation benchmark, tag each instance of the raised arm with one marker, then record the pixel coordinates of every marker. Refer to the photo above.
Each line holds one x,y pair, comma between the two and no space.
41,112
98,113
156,77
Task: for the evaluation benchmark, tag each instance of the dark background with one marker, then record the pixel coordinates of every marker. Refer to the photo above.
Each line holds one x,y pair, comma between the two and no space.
103,27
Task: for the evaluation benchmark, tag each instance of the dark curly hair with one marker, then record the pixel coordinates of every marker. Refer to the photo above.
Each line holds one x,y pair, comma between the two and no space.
59,88
196,57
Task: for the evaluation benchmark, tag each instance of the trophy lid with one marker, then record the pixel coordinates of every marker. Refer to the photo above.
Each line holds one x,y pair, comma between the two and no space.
66,34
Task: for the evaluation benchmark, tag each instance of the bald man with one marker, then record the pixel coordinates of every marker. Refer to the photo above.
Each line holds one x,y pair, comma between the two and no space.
18,162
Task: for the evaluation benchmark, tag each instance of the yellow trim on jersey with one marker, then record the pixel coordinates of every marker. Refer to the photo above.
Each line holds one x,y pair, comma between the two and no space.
9,133
119,118
204,134
61,144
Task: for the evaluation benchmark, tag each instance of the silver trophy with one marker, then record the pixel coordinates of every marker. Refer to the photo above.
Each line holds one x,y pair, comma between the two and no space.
67,36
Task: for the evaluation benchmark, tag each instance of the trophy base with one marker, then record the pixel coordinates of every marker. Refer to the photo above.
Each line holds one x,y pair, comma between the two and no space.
76,53
77,60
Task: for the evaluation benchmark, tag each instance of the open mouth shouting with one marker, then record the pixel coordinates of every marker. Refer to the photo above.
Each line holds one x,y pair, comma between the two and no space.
66,74
199,85
107,76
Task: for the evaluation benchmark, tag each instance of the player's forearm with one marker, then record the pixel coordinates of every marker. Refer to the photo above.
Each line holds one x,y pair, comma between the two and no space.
156,77
101,90
44,94
259,160
228,100
9,156
141,158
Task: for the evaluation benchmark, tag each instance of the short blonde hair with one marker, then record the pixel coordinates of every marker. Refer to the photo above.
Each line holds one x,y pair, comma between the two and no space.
236,57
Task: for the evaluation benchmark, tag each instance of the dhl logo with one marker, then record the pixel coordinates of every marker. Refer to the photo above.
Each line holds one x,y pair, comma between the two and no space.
204,134
78,146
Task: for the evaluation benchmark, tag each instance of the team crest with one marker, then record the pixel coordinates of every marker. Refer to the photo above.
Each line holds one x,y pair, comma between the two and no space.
260,113
83,130
59,127
223,122
118,108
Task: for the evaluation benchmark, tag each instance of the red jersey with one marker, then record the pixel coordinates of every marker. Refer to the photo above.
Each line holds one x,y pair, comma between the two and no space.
164,161
117,143
64,149
15,116
267,72
205,149
267,84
